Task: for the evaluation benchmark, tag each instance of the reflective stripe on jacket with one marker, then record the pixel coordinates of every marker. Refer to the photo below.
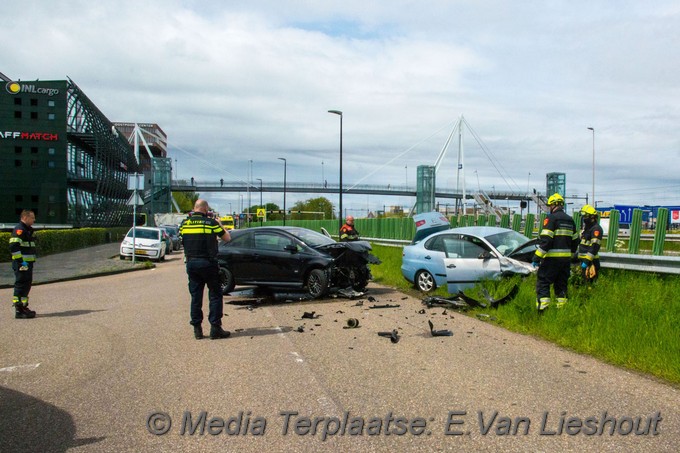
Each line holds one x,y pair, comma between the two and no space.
558,238
199,236
591,239
22,243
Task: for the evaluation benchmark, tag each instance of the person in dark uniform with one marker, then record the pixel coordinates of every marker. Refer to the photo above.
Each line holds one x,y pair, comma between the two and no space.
347,231
22,248
199,235
589,248
558,241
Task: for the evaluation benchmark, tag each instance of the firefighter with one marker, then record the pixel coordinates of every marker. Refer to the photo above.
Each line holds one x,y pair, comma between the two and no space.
588,249
22,248
557,241
347,231
199,235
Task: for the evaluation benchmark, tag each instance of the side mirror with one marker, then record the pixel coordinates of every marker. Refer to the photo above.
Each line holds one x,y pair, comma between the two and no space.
290,248
485,255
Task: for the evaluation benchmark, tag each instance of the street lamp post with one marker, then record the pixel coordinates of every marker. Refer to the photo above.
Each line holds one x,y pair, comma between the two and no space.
261,206
593,193
285,164
339,113
250,180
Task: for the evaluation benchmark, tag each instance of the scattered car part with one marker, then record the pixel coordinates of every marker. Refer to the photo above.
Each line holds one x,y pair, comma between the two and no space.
385,306
352,323
310,315
439,333
393,336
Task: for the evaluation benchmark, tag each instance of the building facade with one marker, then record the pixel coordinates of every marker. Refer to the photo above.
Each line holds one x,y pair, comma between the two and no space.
61,157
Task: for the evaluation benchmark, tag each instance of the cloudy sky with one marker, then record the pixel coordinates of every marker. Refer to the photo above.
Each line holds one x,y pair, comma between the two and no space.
234,81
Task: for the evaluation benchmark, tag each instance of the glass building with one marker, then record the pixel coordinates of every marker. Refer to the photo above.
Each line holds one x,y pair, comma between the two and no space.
62,158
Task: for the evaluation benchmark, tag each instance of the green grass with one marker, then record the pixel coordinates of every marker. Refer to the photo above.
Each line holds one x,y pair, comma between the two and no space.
628,319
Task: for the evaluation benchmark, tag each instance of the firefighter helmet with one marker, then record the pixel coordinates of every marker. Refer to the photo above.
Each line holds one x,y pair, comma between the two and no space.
555,199
588,210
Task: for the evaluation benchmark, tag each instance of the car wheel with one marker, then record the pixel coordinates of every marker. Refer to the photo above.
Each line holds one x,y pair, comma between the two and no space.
317,283
425,281
226,280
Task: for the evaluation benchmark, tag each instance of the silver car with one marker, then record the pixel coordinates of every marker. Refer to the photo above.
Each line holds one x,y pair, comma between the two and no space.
458,258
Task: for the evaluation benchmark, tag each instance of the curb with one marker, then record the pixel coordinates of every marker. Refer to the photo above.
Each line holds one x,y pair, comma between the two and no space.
82,277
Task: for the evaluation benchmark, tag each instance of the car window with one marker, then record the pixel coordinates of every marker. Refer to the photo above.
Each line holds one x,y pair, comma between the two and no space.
507,241
144,234
244,241
270,241
461,246
436,244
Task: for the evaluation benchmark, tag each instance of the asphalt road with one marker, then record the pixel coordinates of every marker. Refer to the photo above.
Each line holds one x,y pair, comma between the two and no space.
106,353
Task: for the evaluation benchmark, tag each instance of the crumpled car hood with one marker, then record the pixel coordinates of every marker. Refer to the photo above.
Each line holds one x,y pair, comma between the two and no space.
350,252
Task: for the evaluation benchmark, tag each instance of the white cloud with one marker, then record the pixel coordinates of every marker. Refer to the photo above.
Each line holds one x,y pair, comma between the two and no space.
253,81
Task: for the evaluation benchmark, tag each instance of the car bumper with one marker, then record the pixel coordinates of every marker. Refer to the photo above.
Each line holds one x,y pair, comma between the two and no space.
141,252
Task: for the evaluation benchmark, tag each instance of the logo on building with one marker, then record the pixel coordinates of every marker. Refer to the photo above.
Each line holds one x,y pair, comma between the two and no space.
13,87
16,88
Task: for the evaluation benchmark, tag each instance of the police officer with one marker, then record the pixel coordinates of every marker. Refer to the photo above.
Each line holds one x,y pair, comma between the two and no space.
589,247
347,231
199,234
22,248
557,241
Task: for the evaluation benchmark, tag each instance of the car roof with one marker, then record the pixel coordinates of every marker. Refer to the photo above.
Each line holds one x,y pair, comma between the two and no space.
481,231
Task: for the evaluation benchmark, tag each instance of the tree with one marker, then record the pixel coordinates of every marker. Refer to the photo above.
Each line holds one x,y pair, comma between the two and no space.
320,205
185,200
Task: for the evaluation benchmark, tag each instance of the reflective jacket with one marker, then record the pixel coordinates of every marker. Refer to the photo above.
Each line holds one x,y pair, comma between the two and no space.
348,233
558,238
591,239
199,236
22,243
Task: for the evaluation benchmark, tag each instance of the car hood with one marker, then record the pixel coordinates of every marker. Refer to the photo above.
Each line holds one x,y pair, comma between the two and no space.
513,266
522,254
350,251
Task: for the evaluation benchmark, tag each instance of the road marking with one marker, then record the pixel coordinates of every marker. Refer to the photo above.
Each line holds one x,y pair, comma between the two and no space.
12,369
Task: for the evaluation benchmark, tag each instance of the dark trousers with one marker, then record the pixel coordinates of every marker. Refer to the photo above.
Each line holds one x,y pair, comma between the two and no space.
553,271
22,279
204,272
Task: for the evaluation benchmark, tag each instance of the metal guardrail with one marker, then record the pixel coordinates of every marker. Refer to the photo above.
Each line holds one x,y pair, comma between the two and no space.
640,263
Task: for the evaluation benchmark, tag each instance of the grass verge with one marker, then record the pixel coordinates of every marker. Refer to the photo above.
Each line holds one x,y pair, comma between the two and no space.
628,319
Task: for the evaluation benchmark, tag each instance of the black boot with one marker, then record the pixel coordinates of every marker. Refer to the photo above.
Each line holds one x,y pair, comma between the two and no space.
198,332
23,312
216,332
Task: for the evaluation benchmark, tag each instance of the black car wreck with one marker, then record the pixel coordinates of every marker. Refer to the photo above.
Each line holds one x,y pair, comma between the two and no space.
293,257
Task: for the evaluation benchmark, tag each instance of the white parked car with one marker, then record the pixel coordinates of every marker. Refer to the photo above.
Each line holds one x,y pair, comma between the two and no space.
148,243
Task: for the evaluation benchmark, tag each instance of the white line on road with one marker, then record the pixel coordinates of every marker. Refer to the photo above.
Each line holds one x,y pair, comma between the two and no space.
12,369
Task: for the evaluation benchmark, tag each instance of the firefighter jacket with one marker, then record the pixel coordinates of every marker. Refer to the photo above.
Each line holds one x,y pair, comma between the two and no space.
558,238
591,239
199,236
22,243
348,233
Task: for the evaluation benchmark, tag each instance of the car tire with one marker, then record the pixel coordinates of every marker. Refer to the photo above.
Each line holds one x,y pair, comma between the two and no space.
425,282
226,280
316,283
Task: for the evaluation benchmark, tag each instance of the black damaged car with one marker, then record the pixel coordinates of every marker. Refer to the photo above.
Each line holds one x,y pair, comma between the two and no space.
293,257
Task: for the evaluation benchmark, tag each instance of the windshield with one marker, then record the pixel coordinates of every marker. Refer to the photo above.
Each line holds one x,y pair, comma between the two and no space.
145,234
311,238
507,241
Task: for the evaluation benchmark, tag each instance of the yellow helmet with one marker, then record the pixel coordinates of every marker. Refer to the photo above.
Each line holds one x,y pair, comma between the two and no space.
555,199
588,210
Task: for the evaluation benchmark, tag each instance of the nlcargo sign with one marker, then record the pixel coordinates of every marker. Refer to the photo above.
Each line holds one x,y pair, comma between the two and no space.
18,87
45,136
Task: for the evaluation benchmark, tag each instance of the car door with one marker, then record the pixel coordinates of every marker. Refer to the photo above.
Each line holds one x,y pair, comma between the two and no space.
273,260
467,260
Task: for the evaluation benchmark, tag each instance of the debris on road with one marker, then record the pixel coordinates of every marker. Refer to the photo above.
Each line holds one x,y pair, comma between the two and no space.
352,323
310,315
439,333
393,336
385,306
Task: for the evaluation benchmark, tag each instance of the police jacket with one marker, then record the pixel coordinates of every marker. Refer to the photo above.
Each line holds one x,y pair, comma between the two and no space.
348,233
558,238
591,238
199,236
22,243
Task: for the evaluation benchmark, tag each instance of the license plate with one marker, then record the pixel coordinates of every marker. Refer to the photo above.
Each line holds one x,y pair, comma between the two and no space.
141,252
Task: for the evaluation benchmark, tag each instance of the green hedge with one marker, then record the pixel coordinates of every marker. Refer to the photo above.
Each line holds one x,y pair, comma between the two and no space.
57,241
